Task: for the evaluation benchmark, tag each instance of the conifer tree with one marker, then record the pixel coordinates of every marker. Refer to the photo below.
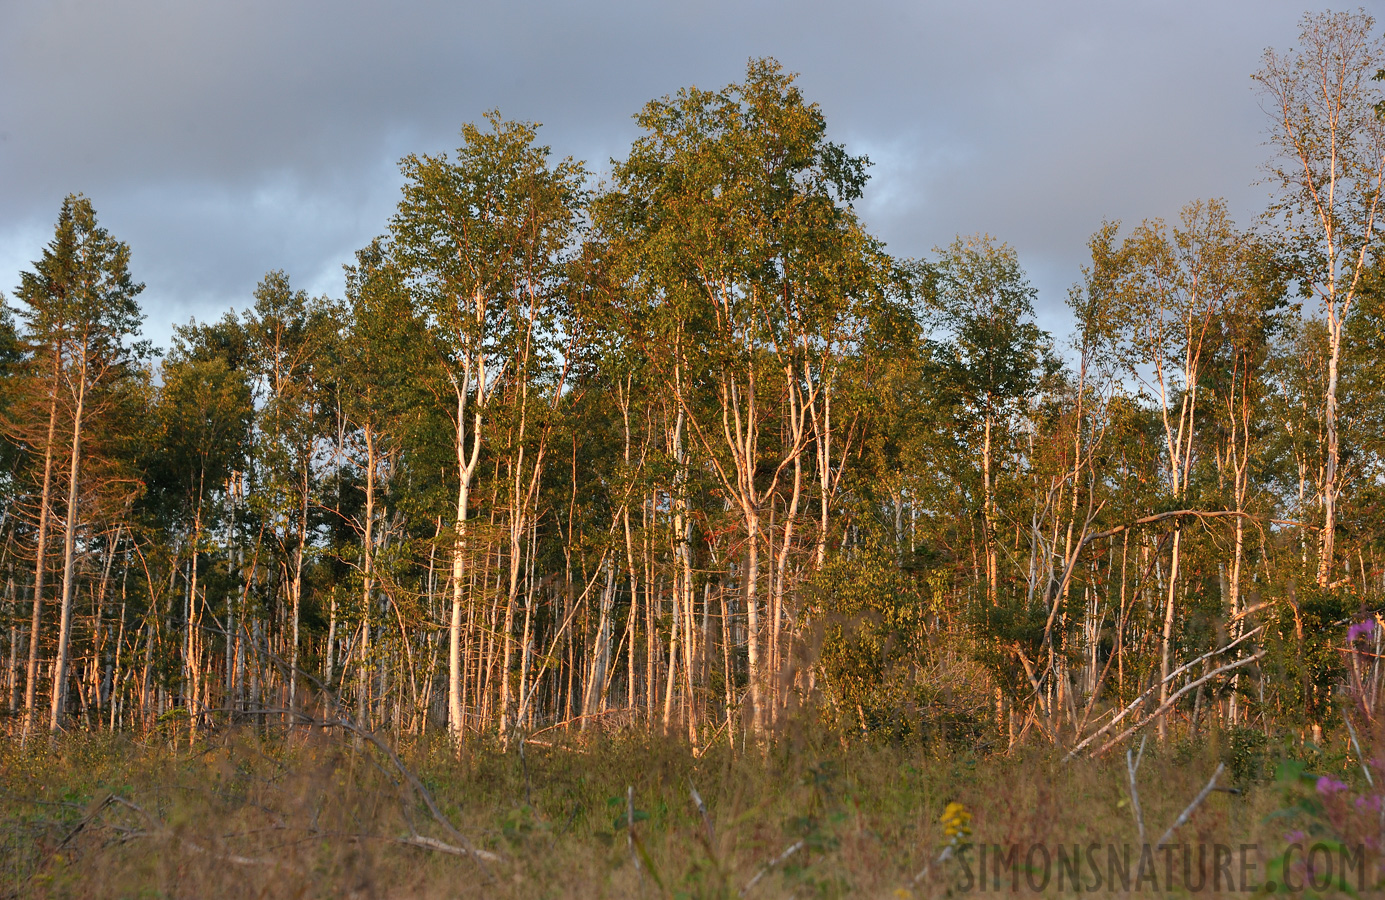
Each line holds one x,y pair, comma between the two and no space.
80,321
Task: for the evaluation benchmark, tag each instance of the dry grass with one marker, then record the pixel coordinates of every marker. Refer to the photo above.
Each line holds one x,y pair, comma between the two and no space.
318,814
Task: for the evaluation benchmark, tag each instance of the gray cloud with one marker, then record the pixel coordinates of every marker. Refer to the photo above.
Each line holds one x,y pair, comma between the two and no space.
224,139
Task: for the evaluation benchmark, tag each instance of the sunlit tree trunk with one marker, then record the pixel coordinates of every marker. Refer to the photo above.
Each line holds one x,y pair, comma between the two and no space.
466,469
59,698
40,563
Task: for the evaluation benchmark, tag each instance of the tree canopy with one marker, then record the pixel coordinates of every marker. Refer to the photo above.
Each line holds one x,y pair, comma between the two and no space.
691,450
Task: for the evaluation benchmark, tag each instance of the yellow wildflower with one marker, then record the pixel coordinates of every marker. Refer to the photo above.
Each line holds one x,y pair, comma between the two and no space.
956,821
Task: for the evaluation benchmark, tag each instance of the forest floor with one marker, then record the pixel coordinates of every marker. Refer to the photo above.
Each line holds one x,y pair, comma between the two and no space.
322,814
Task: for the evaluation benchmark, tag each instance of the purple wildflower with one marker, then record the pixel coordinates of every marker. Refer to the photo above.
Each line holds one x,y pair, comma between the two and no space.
1361,629
1327,785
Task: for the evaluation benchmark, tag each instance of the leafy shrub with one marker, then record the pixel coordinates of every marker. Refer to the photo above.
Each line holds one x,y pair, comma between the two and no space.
1245,752
870,621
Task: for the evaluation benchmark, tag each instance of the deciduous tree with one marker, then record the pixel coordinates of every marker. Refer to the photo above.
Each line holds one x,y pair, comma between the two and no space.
1324,99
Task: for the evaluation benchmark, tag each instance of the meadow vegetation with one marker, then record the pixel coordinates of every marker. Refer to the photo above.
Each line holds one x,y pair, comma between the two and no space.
312,813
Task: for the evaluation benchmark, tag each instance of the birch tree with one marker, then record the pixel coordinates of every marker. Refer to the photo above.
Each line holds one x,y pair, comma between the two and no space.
1173,285
1324,100
288,336
998,357
481,238
731,199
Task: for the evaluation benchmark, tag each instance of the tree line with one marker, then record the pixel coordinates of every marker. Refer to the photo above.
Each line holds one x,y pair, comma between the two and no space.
689,451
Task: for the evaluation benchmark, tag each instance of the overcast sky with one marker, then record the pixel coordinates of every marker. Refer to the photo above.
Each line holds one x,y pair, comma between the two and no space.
225,139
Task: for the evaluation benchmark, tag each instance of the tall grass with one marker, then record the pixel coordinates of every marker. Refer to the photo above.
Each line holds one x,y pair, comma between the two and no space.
316,813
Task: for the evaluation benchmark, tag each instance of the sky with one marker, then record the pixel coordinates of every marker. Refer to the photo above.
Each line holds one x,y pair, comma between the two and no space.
222,139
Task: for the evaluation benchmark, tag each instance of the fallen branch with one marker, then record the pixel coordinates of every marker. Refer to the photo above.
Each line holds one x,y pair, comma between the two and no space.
702,809
1197,801
423,793
771,865
549,745
1249,610
481,856
1360,757
1088,538
575,719
416,840
92,813
697,752
1138,701
1132,765
423,842
1168,704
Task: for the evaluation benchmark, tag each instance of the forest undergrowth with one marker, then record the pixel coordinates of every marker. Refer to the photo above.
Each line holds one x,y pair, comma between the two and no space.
321,812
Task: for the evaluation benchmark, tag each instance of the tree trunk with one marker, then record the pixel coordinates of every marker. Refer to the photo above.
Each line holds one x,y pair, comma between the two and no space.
298,586
59,699
511,594
988,514
367,566
596,677
752,611
466,467
1166,639
1327,546
45,503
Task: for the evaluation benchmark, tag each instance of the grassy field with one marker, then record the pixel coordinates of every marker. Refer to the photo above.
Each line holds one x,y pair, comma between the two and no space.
322,814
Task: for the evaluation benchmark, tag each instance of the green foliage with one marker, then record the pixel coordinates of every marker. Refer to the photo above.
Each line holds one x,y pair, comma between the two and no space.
80,291
1321,816
1303,637
998,355
1245,751
204,416
480,241
871,620
10,358
77,346
1001,629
